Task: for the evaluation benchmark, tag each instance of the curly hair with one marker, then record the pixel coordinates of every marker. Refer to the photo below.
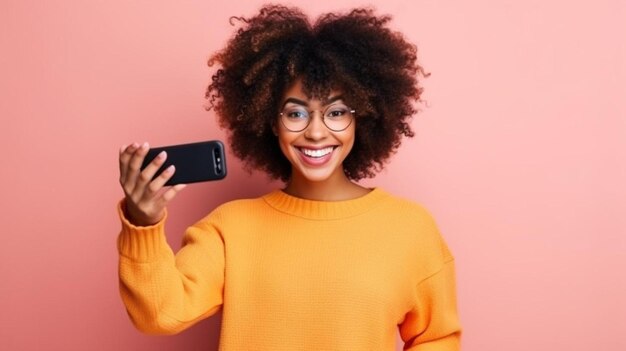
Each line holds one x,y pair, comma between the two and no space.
375,67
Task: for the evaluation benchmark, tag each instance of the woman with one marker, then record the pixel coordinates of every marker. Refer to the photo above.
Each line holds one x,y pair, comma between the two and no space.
323,264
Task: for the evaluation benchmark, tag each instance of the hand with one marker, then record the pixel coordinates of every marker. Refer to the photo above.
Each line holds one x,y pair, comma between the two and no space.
146,199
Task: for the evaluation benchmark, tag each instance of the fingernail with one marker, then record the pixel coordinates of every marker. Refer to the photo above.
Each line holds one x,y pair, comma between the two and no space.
122,148
170,169
161,155
144,145
134,145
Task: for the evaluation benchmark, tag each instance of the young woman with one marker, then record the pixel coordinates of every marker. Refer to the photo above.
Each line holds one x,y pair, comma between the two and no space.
324,263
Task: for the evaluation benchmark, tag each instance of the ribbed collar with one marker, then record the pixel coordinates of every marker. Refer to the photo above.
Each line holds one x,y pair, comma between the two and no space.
325,210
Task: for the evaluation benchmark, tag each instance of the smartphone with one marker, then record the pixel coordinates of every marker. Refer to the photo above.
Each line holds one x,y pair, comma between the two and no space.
194,162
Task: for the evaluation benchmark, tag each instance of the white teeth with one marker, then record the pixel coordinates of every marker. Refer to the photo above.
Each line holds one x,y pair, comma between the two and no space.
317,153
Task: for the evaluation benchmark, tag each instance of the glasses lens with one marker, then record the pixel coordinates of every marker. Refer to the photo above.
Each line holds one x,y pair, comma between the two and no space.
337,117
295,118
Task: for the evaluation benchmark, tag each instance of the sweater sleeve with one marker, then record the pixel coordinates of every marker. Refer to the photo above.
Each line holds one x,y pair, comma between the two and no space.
433,323
166,293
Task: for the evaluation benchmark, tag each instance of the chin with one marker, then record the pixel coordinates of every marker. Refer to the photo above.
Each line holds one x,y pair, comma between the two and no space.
317,175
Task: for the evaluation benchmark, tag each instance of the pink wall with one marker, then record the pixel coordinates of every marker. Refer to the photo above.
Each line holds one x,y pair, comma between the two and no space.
520,157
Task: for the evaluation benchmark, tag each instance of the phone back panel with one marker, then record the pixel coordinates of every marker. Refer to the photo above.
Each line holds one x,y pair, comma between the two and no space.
194,162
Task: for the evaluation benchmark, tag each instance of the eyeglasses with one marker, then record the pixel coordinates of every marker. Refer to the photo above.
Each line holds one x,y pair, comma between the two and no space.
336,117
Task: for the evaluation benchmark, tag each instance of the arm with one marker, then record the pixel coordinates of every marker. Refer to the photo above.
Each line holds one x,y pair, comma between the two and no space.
433,323
166,293
163,293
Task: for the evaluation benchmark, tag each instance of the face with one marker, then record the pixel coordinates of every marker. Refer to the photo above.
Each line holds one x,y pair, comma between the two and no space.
316,153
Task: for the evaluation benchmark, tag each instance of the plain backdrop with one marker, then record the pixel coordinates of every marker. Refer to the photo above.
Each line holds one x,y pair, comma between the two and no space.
519,154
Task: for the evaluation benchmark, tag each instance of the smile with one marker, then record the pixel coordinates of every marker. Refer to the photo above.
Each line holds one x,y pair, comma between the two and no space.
317,153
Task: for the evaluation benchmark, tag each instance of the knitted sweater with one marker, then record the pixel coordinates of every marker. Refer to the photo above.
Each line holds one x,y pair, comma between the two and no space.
295,274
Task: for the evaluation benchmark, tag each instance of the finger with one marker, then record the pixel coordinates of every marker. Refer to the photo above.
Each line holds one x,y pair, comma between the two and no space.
126,153
158,182
171,193
148,173
134,166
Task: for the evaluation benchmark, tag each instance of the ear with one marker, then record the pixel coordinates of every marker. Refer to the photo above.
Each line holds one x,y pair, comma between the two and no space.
274,129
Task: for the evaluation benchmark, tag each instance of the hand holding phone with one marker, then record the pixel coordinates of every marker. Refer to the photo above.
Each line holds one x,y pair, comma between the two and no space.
143,179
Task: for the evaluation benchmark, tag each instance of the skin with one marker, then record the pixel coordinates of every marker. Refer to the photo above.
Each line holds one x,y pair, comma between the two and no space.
326,182
146,199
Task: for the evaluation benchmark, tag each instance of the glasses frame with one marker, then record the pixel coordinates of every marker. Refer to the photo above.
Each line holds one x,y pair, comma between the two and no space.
311,116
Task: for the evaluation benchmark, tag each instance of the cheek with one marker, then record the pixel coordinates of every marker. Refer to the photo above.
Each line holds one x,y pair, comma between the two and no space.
284,142
349,138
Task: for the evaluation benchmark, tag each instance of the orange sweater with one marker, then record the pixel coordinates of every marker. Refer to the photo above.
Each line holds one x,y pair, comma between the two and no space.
295,274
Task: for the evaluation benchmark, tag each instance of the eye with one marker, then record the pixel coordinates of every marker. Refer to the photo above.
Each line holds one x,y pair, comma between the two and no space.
296,113
336,112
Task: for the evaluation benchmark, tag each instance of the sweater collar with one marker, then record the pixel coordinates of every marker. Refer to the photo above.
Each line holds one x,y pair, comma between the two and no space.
325,210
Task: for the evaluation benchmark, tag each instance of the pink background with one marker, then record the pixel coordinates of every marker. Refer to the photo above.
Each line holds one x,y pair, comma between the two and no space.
520,156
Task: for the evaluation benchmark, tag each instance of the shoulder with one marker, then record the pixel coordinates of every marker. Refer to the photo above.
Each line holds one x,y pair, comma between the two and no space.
419,223
233,211
408,209
235,206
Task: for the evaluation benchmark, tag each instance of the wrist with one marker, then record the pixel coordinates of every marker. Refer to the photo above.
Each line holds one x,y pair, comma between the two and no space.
137,219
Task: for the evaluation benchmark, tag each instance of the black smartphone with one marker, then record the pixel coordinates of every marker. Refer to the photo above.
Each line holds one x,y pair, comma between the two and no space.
194,162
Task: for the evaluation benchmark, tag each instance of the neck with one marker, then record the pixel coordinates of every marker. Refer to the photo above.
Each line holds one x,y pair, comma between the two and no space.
335,188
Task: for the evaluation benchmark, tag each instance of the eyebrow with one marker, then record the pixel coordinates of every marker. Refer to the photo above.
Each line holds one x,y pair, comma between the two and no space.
305,103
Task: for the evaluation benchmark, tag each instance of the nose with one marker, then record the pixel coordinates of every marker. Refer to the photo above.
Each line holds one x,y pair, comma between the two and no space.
316,130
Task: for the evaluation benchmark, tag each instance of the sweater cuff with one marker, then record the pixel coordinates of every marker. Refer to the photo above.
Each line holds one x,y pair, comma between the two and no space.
141,243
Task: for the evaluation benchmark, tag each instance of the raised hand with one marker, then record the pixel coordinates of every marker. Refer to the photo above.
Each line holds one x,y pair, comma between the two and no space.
146,198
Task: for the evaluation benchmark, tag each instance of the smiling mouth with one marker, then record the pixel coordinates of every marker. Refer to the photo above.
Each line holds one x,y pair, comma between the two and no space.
317,153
